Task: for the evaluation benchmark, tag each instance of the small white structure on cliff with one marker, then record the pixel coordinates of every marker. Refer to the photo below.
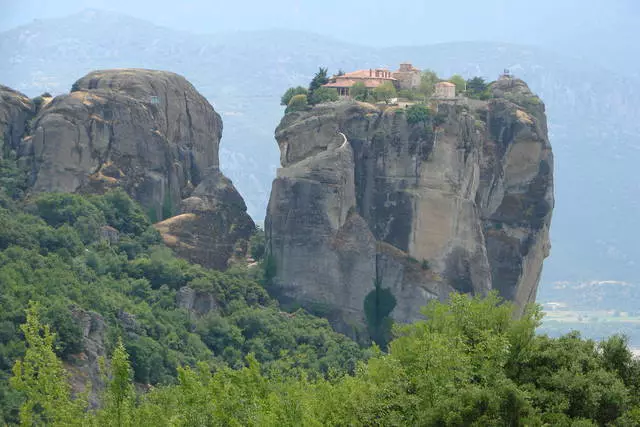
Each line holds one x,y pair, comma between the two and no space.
445,90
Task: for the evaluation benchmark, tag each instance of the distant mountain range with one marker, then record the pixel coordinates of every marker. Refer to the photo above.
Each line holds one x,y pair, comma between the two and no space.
593,113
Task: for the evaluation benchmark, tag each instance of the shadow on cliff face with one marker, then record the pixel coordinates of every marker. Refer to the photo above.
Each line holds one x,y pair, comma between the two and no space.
458,271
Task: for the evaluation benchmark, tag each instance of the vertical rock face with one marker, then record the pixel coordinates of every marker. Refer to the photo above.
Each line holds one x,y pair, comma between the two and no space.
148,132
461,201
15,112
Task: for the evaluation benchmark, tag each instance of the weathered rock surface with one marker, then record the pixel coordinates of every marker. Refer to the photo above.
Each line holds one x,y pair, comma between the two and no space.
196,302
84,367
16,110
148,132
212,227
460,202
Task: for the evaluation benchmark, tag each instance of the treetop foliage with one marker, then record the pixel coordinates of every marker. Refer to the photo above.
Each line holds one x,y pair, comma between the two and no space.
471,362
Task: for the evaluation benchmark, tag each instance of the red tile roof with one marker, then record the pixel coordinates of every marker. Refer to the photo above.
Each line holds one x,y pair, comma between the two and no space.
448,84
369,83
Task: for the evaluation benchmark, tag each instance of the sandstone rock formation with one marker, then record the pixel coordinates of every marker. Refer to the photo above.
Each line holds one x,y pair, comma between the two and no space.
16,110
148,132
461,201
213,226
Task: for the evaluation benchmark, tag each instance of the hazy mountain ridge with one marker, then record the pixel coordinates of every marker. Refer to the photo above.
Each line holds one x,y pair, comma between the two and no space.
591,111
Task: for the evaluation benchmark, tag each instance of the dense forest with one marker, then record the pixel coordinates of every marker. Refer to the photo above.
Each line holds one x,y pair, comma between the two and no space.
247,362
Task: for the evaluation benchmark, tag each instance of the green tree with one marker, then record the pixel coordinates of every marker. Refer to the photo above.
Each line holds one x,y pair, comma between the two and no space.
297,103
418,113
291,92
459,81
43,381
323,94
477,88
257,244
359,91
119,398
385,92
427,81
319,79
68,337
378,305
407,94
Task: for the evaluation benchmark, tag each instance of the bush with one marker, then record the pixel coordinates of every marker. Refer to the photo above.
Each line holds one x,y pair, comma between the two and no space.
378,305
359,92
477,88
385,92
297,103
323,94
418,113
291,92
257,244
459,81
407,94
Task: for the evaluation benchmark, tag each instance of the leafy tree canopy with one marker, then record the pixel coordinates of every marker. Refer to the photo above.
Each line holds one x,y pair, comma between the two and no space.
385,92
459,81
297,103
323,94
359,91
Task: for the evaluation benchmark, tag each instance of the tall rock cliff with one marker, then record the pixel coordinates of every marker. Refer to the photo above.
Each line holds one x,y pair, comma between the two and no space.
458,201
148,132
16,109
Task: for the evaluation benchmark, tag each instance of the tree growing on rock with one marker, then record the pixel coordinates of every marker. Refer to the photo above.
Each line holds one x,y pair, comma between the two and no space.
297,103
385,92
359,91
427,81
477,88
418,113
291,92
323,94
378,305
40,377
318,80
459,81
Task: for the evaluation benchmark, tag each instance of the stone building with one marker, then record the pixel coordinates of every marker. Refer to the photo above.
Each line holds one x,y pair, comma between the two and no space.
408,76
372,78
445,90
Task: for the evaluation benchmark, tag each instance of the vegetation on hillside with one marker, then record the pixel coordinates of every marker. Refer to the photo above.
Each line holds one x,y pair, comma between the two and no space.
53,254
470,363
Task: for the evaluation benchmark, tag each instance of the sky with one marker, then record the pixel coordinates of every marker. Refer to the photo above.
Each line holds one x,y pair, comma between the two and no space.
380,23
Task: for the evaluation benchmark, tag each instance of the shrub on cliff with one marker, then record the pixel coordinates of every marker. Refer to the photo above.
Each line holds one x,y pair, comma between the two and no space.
477,88
418,113
319,79
459,81
297,103
359,92
291,92
427,81
385,92
323,94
